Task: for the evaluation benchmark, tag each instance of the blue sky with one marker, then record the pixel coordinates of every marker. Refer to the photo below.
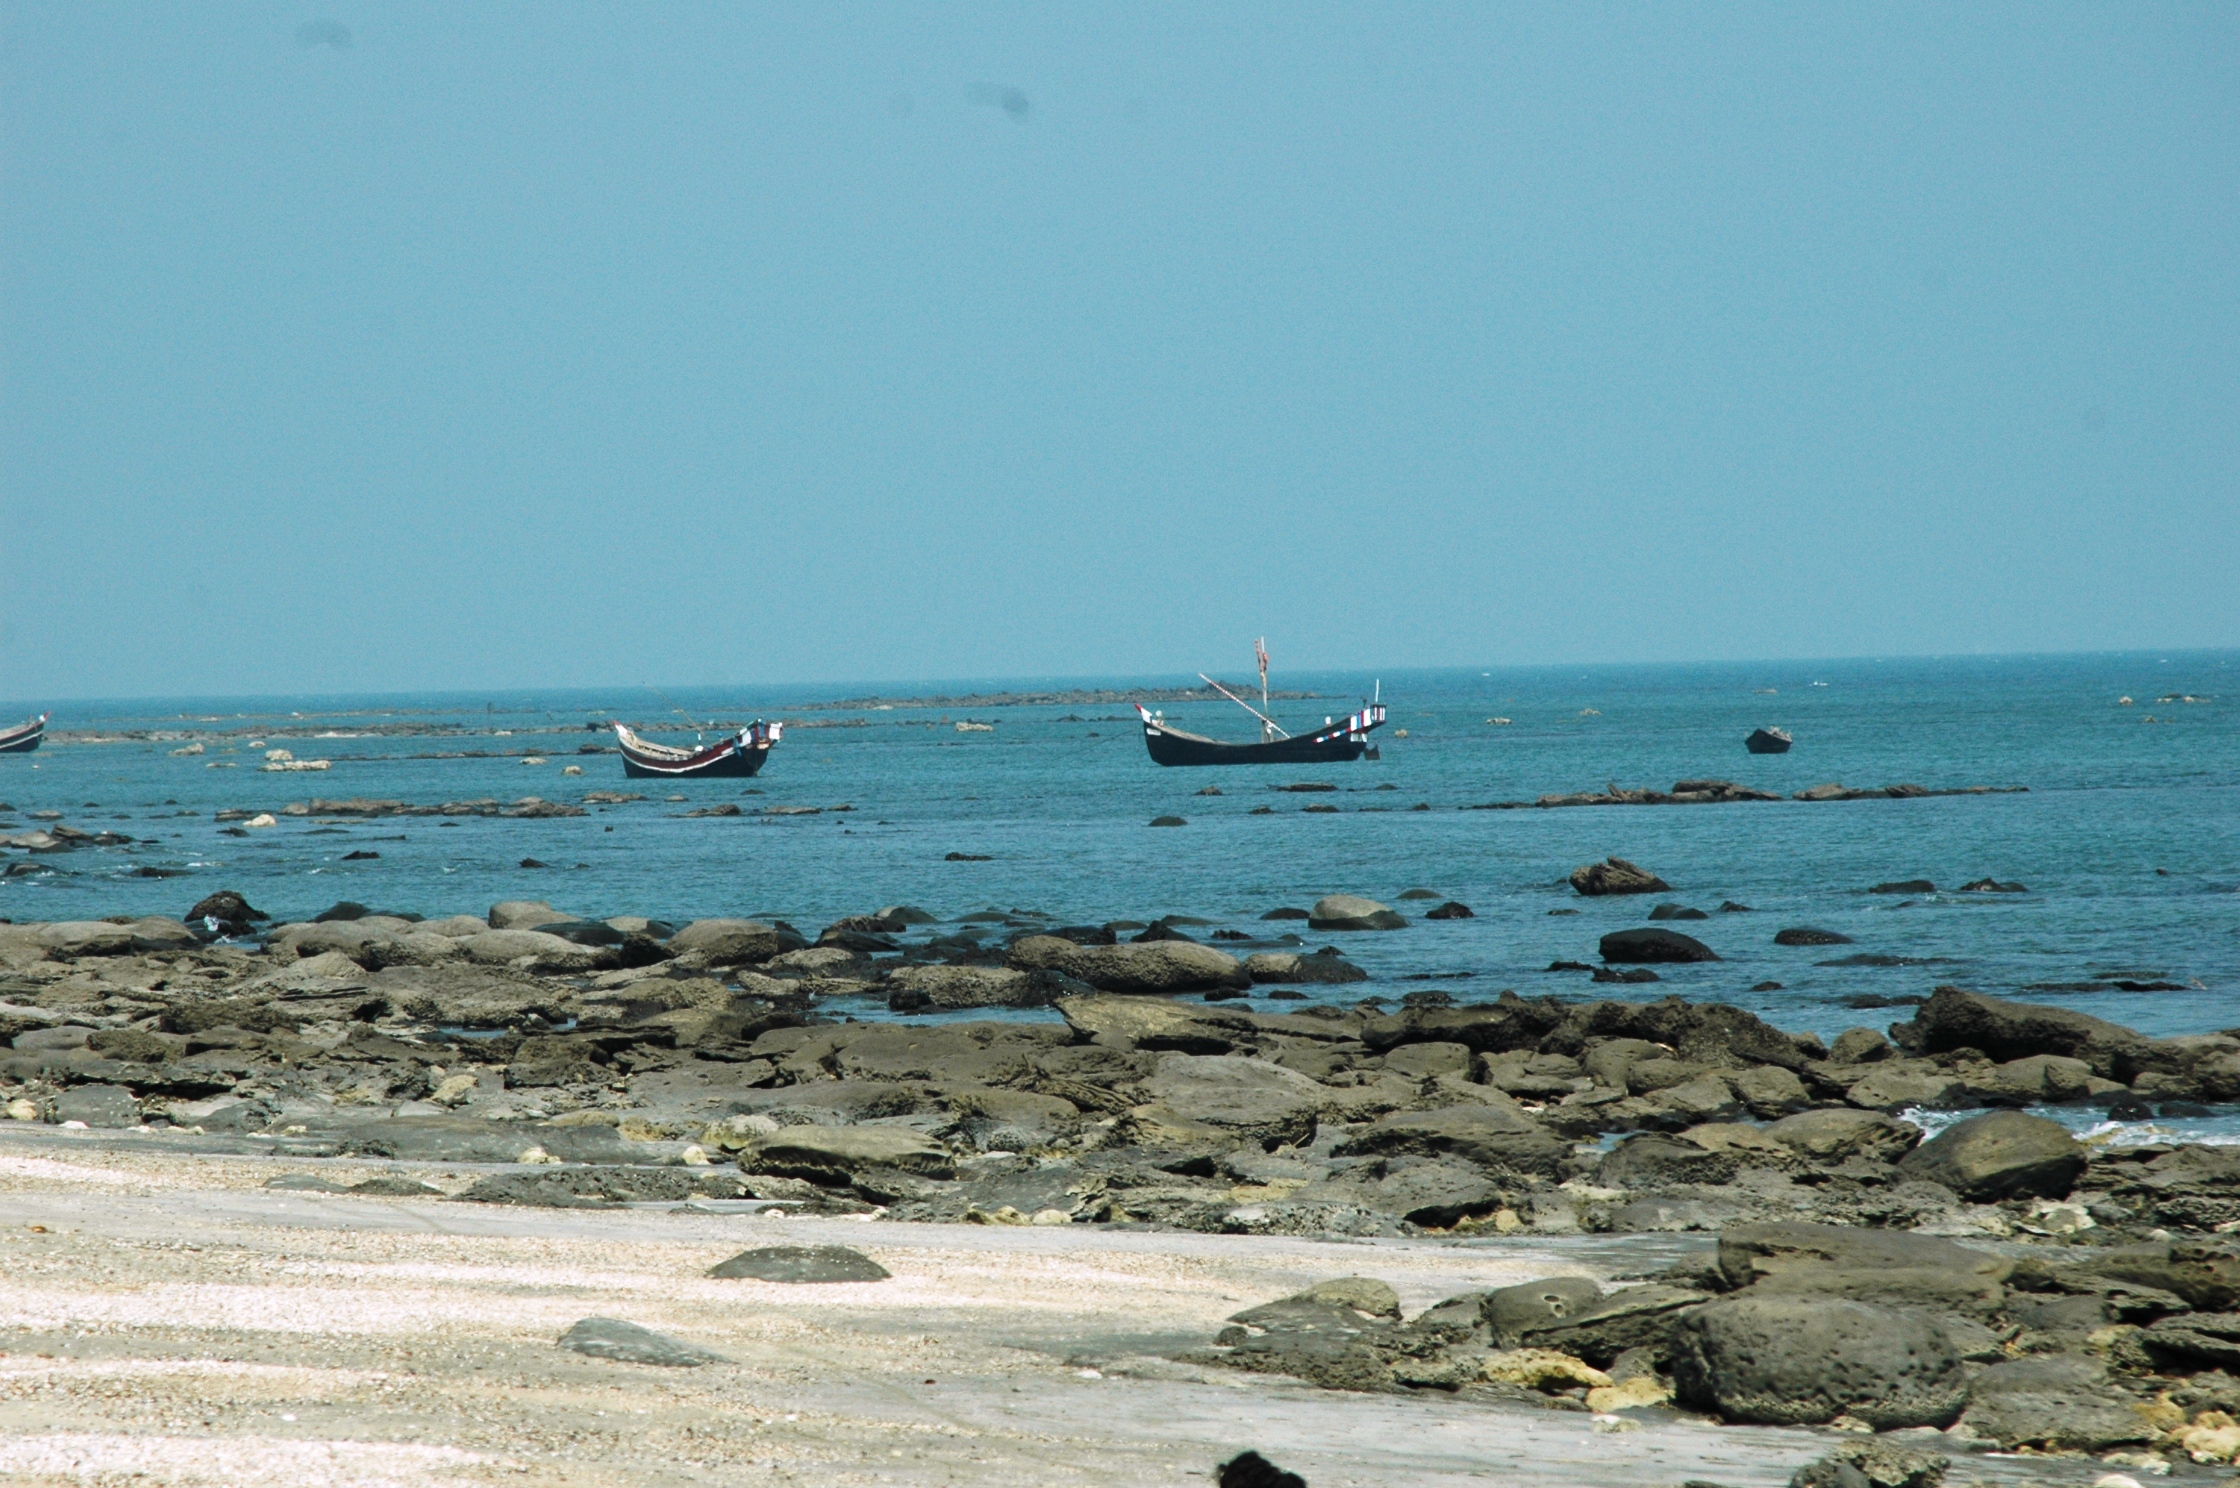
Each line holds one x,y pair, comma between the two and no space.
425,346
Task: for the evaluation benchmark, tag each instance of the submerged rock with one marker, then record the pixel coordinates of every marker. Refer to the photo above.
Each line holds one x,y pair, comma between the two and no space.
1351,912
1654,946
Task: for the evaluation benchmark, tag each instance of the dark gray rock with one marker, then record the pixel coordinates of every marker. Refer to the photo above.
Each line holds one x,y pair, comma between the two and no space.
1617,876
1999,1155
1795,1361
1251,1470
1677,912
1874,1464
1806,935
100,1106
1652,945
2054,1402
627,1343
801,1263
1512,1311
1500,1138
1638,1317
1795,1255
1650,1160
1351,912
1956,1019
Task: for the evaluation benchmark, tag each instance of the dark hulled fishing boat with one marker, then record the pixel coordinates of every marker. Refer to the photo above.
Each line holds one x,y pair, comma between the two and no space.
24,737
1337,739
1345,739
734,756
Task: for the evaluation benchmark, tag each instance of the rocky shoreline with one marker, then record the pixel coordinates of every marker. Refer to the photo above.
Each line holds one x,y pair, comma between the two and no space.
1997,1284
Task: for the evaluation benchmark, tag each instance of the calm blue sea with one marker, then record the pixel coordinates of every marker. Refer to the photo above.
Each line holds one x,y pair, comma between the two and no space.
2128,837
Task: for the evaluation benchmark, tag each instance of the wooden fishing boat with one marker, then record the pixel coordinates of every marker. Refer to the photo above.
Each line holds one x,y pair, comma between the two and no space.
733,756
1768,741
1337,739
24,737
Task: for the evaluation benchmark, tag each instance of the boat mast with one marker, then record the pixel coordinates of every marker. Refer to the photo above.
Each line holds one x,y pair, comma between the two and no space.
1260,653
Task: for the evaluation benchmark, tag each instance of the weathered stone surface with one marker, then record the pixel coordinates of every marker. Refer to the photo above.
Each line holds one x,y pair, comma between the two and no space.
1796,1256
1155,1023
1160,966
1513,1311
835,1155
1650,1160
1793,1361
1293,967
2204,1271
1873,1463
1956,1019
1616,876
913,987
1635,1317
2057,1403
533,950
1903,1084
1495,1027
1649,944
98,1106
1833,1134
1998,1156
1250,1098
1769,1090
524,914
800,1263
1496,1136
1807,935
729,942
628,1343
1351,912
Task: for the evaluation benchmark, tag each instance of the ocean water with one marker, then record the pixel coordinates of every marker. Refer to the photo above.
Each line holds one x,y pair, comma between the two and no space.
2127,838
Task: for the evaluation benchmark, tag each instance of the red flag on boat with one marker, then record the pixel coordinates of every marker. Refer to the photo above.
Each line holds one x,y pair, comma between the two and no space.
1260,650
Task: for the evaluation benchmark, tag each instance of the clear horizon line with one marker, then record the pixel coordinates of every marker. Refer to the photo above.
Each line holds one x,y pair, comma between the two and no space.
1027,680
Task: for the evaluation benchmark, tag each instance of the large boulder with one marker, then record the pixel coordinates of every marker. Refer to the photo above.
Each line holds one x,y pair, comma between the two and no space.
1617,876
1803,1361
1249,1099
913,987
524,914
1650,944
1351,912
1886,1267
728,942
535,951
1955,1019
1492,1135
1513,1311
2060,1403
2204,1271
1834,1134
1634,1317
1904,1084
2000,1155
66,939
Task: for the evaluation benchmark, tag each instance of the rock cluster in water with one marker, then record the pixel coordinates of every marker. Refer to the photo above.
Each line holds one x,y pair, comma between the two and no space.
622,1060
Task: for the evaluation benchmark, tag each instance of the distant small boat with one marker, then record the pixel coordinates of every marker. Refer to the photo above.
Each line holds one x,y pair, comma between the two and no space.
24,737
733,756
1337,739
1768,741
